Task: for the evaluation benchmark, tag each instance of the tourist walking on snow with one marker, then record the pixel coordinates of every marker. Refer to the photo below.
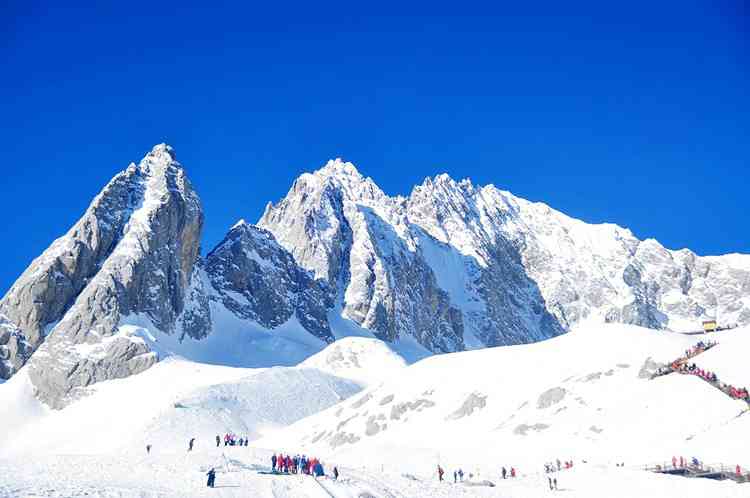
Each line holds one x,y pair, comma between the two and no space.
336,473
218,440
211,478
273,463
148,448
440,473
505,473
190,444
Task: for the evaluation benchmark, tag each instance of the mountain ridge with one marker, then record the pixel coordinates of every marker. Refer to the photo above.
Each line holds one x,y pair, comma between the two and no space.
451,266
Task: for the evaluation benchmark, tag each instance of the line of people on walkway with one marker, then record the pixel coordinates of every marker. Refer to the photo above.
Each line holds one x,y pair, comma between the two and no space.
740,393
299,464
699,348
691,352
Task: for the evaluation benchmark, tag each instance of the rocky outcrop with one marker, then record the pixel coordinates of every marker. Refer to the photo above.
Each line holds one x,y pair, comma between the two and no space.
257,279
14,348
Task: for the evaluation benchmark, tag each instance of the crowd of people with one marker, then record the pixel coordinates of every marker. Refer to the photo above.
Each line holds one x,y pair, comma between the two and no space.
299,464
232,440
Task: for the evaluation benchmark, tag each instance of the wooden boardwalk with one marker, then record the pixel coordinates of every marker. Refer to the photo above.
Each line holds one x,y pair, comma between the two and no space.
716,471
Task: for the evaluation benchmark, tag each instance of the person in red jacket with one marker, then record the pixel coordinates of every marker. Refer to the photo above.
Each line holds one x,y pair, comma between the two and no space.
674,462
513,472
739,470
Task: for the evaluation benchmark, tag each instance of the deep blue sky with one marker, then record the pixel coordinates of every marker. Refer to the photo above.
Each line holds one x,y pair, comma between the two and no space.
637,115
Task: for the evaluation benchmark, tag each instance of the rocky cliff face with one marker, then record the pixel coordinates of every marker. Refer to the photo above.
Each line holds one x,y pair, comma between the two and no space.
346,230
257,279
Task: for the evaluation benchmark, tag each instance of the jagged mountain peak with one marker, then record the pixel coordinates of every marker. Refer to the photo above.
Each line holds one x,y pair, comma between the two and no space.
447,181
339,167
161,153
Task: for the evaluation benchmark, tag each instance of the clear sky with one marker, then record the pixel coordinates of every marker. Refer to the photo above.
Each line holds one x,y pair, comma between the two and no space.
638,115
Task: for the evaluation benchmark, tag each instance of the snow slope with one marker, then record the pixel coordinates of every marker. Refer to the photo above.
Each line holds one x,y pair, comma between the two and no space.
581,396
165,407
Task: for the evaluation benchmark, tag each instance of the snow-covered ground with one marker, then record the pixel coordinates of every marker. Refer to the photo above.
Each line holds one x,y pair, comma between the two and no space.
580,397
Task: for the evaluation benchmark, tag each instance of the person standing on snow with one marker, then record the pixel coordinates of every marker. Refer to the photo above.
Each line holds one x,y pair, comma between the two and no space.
148,448
440,473
336,473
513,472
455,477
273,463
218,440
461,474
211,478
505,473
190,444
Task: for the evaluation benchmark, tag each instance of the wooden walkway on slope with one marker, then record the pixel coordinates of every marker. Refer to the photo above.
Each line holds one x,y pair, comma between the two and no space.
716,471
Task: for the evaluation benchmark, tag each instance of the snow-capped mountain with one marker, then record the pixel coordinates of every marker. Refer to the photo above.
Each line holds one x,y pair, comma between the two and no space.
457,265
133,252
453,266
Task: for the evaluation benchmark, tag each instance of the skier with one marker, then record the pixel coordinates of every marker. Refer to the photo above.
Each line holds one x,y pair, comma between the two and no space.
211,478
190,444
505,473
218,440
148,448
336,473
273,463
440,473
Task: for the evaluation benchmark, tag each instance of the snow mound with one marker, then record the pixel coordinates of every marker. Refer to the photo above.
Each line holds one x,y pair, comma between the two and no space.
361,359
